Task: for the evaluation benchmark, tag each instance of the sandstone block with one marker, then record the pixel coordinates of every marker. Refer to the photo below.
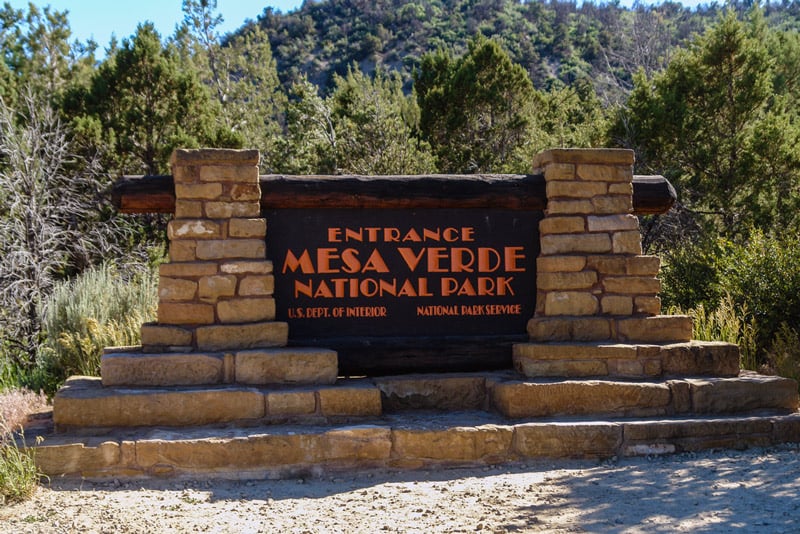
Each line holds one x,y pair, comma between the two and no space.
229,173
620,188
785,429
612,204
198,191
179,313
565,281
76,458
658,329
556,368
186,174
211,288
213,156
176,289
257,452
257,286
560,440
228,210
714,358
286,366
575,243
616,305
291,403
681,396
350,401
571,303
85,402
562,225
357,444
166,336
643,265
231,249
584,397
569,328
626,242
487,443
631,285
607,264
574,351
193,229
744,393
242,336
605,173
247,228
575,189
612,223
568,207
188,209
625,368
560,264
559,171
245,192
167,369
183,251
246,310
602,156
652,367
647,305
432,392
246,267
187,269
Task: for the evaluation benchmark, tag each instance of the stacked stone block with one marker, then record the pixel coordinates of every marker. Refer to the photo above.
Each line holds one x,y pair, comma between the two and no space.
216,291
593,283
216,312
597,305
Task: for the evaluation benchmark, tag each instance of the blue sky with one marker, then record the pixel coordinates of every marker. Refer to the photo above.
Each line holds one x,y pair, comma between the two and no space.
99,19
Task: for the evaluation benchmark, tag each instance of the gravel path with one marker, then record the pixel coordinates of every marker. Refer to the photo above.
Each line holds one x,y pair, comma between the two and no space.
752,491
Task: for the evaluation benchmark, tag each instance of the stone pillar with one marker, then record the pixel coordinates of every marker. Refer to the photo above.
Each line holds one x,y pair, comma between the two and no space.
216,291
593,283
216,311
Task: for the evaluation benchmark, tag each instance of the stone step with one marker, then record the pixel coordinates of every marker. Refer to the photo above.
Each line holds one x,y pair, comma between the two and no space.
397,441
694,358
83,401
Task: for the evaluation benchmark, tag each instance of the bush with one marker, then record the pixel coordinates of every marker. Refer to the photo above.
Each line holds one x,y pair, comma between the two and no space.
19,475
783,357
755,284
18,472
97,309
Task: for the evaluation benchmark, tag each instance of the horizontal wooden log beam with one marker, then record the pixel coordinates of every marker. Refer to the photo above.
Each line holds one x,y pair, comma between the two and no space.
156,194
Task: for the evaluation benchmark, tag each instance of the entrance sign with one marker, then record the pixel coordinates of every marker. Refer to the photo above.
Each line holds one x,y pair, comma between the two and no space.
403,273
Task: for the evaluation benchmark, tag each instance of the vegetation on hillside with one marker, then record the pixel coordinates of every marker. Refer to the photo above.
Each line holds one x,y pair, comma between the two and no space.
707,97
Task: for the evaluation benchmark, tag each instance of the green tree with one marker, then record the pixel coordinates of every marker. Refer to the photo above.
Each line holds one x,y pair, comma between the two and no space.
37,53
712,123
476,110
375,122
141,105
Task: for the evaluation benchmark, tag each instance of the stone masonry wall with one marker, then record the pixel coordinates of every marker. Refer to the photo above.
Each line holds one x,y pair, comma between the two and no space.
593,283
216,291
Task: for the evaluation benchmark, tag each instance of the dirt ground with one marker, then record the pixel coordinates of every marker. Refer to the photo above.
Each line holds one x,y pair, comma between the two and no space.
751,491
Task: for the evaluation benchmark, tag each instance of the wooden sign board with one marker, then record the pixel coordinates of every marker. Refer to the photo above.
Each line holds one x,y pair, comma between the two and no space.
415,281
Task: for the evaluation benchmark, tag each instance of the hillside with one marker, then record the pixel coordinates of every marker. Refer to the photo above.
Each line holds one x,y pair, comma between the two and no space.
555,42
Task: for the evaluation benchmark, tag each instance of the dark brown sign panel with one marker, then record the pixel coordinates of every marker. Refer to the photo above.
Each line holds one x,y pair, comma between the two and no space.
403,273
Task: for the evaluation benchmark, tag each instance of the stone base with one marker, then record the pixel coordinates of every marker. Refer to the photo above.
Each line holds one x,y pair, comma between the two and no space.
395,442
84,402
655,329
541,398
696,358
129,366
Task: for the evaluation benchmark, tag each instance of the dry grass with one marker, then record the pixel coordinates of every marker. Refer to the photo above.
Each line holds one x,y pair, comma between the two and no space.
17,404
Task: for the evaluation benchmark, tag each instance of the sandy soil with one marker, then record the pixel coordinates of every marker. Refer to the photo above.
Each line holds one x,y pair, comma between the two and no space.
752,491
